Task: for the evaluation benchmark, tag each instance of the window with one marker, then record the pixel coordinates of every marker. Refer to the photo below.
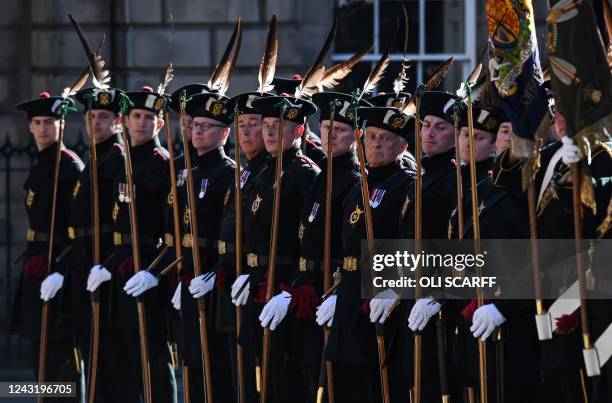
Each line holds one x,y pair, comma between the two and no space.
438,29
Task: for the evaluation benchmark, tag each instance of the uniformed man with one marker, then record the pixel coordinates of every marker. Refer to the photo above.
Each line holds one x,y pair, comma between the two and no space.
306,283
38,285
438,199
212,172
102,109
564,378
249,123
297,176
150,173
501,216
352,343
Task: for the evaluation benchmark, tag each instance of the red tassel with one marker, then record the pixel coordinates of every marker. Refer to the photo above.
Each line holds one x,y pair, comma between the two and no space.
566,324
36,266
221,278
304,300
365,307
173,279
260,295
126,268
468,311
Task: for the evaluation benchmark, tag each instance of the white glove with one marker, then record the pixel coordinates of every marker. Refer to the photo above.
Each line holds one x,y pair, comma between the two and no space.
244,295
275,310
200,286
485,320
50,286
570,153
140,282
380,306
97,275
325,311
176,298
421,312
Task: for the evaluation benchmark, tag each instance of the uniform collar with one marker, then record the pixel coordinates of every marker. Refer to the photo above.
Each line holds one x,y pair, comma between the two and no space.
107,144
258,160
381,173
211,158
48,154
443,160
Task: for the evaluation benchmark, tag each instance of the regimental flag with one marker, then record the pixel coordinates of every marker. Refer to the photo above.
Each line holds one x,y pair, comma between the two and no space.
514,66
580,74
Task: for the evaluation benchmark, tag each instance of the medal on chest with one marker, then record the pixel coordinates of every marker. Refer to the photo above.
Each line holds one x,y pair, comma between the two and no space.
124,197
376,197
255,205
203,187
186,216
180,179
355,215
30,198
313,212
244,177
301,231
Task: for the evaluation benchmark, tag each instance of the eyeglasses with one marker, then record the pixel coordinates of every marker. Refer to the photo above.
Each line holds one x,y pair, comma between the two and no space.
203,126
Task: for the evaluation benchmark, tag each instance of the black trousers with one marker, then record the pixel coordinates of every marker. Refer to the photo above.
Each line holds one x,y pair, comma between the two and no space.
60,366
119,373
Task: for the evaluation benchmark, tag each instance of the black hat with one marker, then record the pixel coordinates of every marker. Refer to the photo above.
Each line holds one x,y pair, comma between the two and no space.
190,90
390,100
108,99
209,105
344,112
438,103
147,99
296,111
390,119
284,85
484,118
244,102
46,105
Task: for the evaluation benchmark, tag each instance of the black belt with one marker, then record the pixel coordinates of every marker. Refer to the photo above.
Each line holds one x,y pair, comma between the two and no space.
310,265
74,233
254,260
126,239
36,236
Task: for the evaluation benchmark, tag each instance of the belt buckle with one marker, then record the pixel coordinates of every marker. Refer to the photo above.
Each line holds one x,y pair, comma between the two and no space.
222,248
71,233
350,263
31,235
187,241
302,265
117,238
252,260
168,239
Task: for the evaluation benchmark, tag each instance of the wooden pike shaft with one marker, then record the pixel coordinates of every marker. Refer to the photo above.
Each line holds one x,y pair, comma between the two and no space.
418,235
482,361
272,258
365,194
44,326
178,248
95,296
142,324
327,246
197,268
535,249
580,264
238,251
458,177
